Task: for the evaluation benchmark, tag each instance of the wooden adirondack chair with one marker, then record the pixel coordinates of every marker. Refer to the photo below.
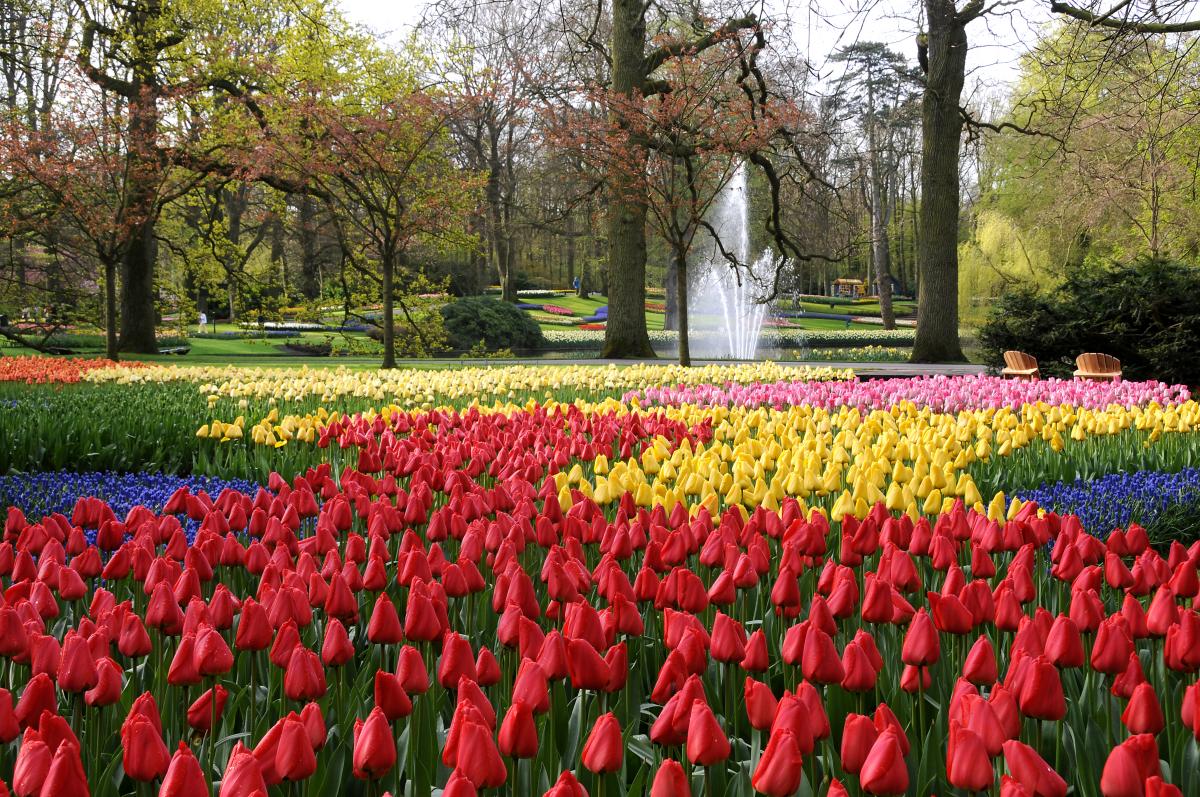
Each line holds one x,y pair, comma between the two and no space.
1019,365
1097,367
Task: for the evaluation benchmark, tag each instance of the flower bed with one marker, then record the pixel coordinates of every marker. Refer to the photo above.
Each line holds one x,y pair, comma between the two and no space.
939,393
44,370
858,354
728,582
1116,500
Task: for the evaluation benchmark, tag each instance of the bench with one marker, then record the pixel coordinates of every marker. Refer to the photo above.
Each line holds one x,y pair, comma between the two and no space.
175,350
1097,367
1019,365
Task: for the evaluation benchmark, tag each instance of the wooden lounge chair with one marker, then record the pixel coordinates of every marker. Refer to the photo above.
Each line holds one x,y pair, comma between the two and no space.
1097,367
1019,365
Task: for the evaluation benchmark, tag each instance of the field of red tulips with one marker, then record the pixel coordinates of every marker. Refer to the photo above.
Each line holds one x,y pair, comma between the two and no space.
448,609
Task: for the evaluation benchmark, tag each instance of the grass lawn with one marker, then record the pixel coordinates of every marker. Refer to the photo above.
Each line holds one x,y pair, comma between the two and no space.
901,308
270,352
654,321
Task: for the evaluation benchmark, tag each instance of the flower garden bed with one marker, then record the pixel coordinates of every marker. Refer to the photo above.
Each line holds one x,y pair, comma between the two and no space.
613,581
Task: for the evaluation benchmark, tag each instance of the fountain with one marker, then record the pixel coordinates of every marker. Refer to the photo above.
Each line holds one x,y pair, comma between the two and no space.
726,317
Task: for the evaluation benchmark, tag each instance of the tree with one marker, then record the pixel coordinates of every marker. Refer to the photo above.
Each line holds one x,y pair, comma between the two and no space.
375,148
182,76
941,130
875,89
488,63
637,73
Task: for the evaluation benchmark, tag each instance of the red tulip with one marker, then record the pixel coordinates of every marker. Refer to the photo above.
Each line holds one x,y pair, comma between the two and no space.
967,764
884,771
305,677
182,671
336,649
1128,767
200,712
858,737
1032,772
106,691
184,777
706,741
980,666
836,789
9,727
212,653
755,658
391,697
314,723
294,757
133,641
144,754
1110,652
566,786
604,748
384,626
457,661
1143,713
585,666
421,623
860,675
411,669
39,696
518,732
821,662
921,643
65,775
1156,787
1042,694
254,629
484,766
728,639
243,776
33,762
779,770
671,781
761,704
459,786
374,747
77,668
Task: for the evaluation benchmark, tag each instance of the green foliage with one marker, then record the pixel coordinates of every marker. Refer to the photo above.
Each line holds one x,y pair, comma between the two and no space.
997,259
1112,176
1142,312
497,324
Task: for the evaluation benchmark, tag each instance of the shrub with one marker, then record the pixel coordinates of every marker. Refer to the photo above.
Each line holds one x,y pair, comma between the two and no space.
498,324
1142,312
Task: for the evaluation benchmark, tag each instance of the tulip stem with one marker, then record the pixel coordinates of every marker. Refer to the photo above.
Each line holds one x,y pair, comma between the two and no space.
212,727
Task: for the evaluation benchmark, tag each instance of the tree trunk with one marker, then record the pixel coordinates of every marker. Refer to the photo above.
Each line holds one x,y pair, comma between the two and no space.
671,293
941,128
137,266
502,243
389,312
679,262
137,293
880,253
235,205
111,346
310,268
625,333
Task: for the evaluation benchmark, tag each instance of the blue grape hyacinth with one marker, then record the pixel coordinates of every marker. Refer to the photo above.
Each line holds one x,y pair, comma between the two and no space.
1118,499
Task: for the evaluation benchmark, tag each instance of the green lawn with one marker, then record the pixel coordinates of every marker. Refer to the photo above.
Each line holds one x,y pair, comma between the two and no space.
901,308
654,321
270,352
